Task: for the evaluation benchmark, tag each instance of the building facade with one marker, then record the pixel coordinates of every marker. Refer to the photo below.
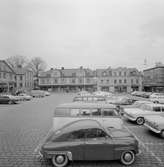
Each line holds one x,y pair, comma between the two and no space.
68,79
7,77
154,79
119,79
114,80
24,79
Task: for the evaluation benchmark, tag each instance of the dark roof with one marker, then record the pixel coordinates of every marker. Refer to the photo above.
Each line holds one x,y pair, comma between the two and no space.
8,65
153,68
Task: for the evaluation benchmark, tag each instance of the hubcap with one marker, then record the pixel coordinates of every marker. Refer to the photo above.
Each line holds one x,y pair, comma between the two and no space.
128,157
60,159
140,121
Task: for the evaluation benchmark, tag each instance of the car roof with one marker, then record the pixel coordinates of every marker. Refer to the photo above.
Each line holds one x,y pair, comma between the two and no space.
86,105
81,124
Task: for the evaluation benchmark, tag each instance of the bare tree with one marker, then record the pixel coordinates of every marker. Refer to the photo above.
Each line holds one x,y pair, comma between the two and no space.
37,65
17,60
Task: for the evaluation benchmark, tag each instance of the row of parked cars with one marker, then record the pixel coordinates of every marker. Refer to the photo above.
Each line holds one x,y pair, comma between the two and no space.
21,96
89,128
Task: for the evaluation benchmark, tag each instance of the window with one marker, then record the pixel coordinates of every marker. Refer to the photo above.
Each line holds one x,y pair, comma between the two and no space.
157,109
88,80
95,133
137,81
107,80
131,81
115,81
21,78
85,112
74,112
120,81
125,73
77,99
74,74
119,73
124,80
101,81
62,112
4,75
96,111
20,85
73,80
109,112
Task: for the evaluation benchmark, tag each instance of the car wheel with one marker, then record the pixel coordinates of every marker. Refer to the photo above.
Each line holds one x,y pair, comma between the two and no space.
127,157
10,102
140,120
162,133
60,160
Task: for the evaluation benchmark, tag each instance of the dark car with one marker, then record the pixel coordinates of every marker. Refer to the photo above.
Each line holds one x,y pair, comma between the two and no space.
7,99
89,140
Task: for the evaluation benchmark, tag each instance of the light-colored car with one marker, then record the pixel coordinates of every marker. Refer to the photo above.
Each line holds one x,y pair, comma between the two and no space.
155,123
47,93
25,96
121,100
83,93
37,93
157,98
102,93
138,114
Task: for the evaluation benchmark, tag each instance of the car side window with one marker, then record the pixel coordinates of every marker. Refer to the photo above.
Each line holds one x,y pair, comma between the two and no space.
162,109
157,109
109,112
74,112
79,134
85,112
96,111
95,133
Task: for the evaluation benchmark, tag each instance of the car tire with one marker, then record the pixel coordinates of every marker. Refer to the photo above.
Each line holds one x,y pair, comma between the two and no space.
140,121
162,134
127,157
10,102
60,160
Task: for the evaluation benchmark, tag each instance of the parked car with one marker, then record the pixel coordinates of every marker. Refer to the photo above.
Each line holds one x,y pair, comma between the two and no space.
68,112
25,96
47,93
155,123
138,114
157,98
121,100
89,140
83,93
102,93
8,99
89,98
141,94
37,93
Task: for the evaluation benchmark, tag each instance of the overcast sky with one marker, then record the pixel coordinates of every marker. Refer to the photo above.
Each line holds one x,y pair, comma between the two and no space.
91,33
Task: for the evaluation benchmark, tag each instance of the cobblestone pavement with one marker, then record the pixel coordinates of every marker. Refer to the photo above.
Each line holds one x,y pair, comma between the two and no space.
23,126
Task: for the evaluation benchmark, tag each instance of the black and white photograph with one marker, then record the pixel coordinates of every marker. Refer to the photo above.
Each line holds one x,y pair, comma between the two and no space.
81,83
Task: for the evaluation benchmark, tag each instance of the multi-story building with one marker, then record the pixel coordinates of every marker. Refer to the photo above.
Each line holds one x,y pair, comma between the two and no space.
24,78
114,80
119,79
7,77
154,79
67,79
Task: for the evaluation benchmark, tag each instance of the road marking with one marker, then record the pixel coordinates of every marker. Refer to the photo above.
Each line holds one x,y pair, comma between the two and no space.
146,148
41,141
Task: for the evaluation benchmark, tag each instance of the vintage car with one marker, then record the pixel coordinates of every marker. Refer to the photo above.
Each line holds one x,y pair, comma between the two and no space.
155,123
89,140
138,114
157,98
37,93
25,96
103,93
83,93
8,99
68,112
89,98
120,100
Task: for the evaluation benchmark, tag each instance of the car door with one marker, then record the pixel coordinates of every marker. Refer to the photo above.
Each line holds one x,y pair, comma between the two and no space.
98,146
